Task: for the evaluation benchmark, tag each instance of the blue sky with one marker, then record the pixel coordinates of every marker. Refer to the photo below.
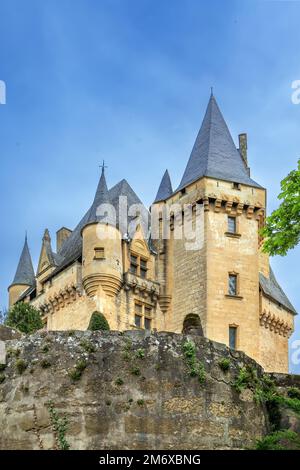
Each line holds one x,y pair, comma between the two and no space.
128,81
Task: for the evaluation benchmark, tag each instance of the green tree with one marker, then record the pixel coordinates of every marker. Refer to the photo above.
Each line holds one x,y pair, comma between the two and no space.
98,322
24,317
282,229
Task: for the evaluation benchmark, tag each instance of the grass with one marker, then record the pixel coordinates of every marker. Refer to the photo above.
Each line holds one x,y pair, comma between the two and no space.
136,371
45,363
224,364
140,353
196,368
20,366
76,373
87,346
60,426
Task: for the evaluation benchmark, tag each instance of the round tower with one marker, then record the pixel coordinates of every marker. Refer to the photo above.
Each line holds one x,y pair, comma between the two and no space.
24,277
101,246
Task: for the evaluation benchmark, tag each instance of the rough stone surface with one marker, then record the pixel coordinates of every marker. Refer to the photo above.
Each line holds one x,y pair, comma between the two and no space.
135,393
9,333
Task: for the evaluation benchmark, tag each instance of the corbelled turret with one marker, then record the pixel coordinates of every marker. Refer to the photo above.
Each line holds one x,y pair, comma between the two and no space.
101,245
24,277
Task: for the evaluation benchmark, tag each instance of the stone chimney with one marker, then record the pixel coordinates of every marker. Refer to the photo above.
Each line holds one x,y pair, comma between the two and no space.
61,235
243,149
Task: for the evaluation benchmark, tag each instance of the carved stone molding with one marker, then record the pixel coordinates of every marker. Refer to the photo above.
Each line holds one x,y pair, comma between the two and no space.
60,299
143,287
275,324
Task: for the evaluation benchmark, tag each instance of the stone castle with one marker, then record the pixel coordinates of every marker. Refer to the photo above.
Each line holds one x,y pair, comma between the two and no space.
224,286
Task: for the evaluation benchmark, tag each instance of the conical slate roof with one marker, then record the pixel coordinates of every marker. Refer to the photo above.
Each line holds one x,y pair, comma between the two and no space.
71,249
165,188
25,273
214,153
101,197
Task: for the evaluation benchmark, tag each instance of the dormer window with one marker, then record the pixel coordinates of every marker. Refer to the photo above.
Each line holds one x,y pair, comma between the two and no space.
133,264
138,266
236,186
143,268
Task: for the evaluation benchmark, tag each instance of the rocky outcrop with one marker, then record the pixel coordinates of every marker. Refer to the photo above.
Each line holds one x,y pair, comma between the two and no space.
126,391
7,333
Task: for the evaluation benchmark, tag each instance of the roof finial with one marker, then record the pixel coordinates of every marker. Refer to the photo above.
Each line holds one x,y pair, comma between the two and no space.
25,235
211,91
102,167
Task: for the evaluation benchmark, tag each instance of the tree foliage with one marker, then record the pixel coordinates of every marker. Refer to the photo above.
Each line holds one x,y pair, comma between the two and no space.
282,229
24,317
98,322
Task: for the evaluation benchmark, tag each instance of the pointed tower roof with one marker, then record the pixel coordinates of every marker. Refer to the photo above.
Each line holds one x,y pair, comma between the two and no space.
214,153
165,188
101,197
25,273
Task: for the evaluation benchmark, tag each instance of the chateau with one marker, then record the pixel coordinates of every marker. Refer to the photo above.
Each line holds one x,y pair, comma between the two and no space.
223,285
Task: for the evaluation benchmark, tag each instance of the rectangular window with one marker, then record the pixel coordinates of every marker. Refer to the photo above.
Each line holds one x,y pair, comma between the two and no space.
232,337
147,323
236,185
99,253
231,224
138,321
133,264
143,268
138,309
232,284
147,311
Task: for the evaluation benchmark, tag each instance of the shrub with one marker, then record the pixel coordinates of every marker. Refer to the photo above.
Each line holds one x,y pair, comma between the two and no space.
140,402
119,381
60,426
45,348
140,353
2,378
87,346
196,368
45,363
13,352
76,373
20,365
2,367
247,378
135,371
24,317
279,440
294,392
224,364
98,322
